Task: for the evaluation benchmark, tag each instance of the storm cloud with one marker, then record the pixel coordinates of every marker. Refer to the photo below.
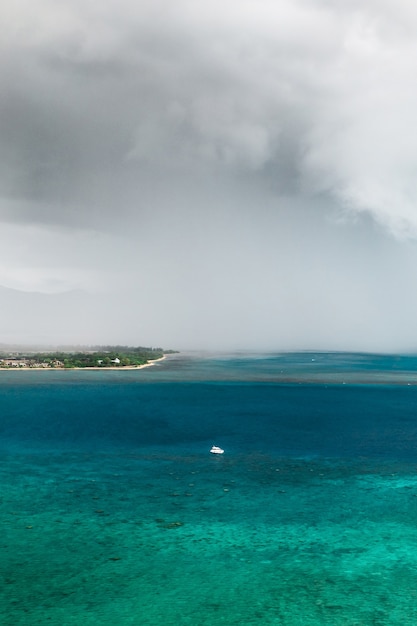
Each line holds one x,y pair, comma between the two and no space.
218,174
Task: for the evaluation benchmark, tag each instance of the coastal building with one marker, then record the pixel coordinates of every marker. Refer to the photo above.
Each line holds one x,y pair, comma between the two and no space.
13,363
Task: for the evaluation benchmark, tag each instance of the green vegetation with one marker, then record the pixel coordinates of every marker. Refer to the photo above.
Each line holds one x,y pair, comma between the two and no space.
96,356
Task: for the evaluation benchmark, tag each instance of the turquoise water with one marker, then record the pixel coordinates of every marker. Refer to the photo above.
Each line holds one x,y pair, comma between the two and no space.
114,512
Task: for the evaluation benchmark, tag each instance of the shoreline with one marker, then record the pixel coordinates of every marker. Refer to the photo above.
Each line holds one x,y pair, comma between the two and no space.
70,369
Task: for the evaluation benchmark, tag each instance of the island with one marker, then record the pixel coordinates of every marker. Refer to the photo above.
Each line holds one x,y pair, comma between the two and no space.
97,357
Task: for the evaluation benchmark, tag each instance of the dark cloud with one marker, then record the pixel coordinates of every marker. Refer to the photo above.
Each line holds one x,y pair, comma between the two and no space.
228,163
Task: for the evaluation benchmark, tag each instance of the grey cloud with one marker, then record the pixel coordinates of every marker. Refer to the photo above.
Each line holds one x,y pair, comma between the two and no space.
237,164
85,120
253,89
265,89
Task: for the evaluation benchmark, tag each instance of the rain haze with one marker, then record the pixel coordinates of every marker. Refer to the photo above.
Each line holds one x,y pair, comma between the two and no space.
209,174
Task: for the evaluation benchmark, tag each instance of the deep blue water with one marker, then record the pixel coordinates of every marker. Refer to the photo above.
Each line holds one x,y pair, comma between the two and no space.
278,419
113,511
135,410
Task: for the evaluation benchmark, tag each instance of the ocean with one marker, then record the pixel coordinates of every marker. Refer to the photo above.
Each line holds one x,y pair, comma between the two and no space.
114,512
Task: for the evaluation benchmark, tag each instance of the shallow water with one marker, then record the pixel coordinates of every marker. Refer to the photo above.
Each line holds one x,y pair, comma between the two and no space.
114,512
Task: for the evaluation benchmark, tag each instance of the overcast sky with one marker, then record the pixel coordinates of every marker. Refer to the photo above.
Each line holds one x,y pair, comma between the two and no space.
237,174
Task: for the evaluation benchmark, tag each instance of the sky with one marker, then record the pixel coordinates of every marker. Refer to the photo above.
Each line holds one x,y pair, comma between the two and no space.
203,174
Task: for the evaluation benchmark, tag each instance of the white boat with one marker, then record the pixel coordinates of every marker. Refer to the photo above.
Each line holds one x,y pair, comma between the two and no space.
216,450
